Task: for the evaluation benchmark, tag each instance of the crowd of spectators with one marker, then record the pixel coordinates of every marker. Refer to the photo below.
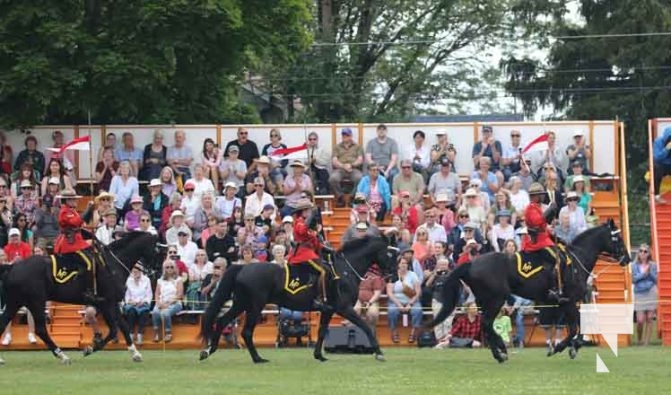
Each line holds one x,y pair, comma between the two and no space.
232,205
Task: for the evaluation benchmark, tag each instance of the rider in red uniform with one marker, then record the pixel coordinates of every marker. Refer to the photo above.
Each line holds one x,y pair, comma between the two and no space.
538,238
71,240
307,247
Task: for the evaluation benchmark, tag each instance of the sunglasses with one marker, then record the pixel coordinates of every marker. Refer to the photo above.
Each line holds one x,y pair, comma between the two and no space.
643,251
515,135
216,267
471,197
463,216
144,220
26,187
312,139
189,190
3,186
406,167
104,199
243,133
572,200
258,185
274,135
172,252
169,267
249,220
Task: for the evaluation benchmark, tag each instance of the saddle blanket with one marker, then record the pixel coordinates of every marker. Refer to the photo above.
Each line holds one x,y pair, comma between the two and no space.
64,267
530,264
300,277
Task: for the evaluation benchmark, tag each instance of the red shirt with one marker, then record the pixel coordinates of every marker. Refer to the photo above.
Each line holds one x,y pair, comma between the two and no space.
465,257
411,218
466,329
306,241
22,250
534,219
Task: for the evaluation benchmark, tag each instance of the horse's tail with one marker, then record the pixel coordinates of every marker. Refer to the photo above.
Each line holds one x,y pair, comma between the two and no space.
222,295
450,293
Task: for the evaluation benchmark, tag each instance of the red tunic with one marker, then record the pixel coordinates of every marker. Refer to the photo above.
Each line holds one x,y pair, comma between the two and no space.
534,219
69,218
306,242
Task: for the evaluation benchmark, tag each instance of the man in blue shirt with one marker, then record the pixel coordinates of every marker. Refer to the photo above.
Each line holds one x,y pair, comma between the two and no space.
129,152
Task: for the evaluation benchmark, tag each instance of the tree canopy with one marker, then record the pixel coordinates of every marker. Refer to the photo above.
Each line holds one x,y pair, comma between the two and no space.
139,61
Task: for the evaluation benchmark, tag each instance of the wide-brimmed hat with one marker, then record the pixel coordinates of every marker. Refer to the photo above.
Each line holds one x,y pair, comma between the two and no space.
288,219
578,178
176,213
441,197
54,180
471,192
297,163
26,184
109,212
264,160
155,182
68,194
136,199
231,184
104,195
536,189
303,204
572,195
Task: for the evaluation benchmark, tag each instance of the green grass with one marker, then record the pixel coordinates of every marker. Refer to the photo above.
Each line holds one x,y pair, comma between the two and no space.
643,370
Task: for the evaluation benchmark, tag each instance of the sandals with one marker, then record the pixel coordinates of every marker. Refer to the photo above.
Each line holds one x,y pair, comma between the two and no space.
411,338
168,337
395,338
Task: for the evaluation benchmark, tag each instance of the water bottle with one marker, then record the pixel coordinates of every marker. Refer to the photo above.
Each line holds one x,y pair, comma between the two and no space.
405,320
326,205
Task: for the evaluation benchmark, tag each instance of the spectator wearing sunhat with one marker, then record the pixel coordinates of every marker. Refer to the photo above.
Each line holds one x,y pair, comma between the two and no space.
577,169
575,212
132,217
502,230
262,170
105,232
255,201
226,203
584,196
347,165
579,151
155,201
473,203
444,215
27,201
190,203
177,224
295,185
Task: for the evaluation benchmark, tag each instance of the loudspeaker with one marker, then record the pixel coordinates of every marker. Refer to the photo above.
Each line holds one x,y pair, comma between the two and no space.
347,339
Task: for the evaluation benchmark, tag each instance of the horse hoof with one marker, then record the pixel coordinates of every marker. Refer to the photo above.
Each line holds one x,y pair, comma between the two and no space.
2,361
380,358
88,350
504,357
66,361
137,357
204,354
321,358
572,353
261,360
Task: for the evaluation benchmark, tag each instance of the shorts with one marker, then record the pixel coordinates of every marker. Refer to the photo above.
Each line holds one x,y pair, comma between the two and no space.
551,316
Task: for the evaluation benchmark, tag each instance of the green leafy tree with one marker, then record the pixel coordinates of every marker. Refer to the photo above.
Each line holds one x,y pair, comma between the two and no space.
140,61
606,71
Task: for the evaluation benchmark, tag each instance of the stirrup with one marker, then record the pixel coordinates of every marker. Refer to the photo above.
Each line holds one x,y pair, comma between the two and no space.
557,296
93,298
321,306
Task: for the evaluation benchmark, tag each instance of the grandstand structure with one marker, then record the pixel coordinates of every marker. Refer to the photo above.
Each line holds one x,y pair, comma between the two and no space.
609,201
660,236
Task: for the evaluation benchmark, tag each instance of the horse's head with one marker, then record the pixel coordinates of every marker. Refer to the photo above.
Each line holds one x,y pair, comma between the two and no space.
363,252
138,246
616,247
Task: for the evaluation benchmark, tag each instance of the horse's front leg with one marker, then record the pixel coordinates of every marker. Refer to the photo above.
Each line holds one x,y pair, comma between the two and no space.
572,317
324,320
356,319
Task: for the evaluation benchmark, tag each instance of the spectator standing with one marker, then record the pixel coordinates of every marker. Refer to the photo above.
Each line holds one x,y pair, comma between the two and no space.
154,158
128,152
105,170
579,151
31,156
347,164
419,155
383,151
318,163
180,157
644,277
490,148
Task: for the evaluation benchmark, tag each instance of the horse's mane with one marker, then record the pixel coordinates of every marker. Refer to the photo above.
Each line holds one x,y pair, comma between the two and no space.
359,242
587,234
130,237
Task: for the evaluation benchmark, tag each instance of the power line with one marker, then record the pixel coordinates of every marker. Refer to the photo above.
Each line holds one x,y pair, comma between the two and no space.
614,35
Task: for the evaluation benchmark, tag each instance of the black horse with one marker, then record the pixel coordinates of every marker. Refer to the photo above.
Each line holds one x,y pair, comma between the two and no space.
493,277
253,286
31,282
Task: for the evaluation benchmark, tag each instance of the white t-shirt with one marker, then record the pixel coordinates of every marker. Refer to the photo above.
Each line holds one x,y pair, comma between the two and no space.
187,252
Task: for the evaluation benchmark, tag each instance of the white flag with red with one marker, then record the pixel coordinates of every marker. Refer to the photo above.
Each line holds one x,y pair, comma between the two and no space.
540,143
80,144
297,152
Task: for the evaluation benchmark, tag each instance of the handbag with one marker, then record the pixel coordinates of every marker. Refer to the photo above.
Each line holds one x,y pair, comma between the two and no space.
408,291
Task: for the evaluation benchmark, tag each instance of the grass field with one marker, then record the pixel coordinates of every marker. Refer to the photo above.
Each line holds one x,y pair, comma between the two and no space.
407,371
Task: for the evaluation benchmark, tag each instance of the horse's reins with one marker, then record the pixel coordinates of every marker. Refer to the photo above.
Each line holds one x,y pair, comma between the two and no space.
349,264
610,261
116,258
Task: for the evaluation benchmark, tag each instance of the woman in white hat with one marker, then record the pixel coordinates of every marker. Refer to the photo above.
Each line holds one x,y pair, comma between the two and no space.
227,203
576,214
132,217
177,225
155,201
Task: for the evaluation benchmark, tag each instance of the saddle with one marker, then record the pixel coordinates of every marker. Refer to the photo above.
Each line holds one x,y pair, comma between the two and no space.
66,267
301,277
531,263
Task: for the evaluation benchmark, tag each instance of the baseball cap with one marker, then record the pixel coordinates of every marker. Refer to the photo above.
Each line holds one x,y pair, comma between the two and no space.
233,148
576,163
268,207
182,233
445,161
362,225
288,219
261,239
346,131
470,225
54,180
14,232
